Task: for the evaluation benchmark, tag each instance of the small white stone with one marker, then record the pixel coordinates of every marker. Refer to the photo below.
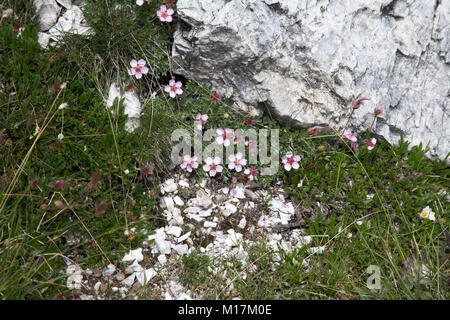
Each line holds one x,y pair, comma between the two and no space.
97,286
134,255
162,259
128,281
181,249
174,230
242,223
109,270
205,213
184,296
209,224
228,209
163,246
169,203
317,249
233,238
146,276
239,192
178,201
183,184
169,186
43,39
184,237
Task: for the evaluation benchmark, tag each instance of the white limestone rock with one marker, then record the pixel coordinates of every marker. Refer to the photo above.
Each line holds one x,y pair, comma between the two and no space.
47,12
263,53
132,105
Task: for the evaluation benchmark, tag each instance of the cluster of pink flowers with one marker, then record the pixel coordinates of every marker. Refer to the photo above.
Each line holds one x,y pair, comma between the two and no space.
354,144
348,133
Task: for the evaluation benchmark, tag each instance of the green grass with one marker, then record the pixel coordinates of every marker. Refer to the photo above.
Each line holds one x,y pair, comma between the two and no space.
34,226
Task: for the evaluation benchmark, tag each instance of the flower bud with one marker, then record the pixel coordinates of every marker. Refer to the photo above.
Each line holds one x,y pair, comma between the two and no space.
358,102
378,109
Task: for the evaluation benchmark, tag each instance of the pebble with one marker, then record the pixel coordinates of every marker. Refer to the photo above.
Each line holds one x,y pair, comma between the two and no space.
120,276
136,285
129,280
228,209
109,270
129,270
168,186
103,287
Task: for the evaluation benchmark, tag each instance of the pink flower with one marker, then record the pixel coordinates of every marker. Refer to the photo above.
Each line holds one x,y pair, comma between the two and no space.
291,161
358,102
164,14
355,146
234,180
250,145
138,68
200,120
189,163
251,173
314,131
215,97
371,143
262,222
140,2
173,88
349,135
224,136
212,166
237,138
378,109
236,162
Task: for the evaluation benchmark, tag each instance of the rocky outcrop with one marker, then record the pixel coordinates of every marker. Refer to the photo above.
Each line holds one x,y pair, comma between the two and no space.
262,53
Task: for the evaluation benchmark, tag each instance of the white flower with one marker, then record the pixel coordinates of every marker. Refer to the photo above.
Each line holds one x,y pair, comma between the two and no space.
126,171
60,136
63,106
427,213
